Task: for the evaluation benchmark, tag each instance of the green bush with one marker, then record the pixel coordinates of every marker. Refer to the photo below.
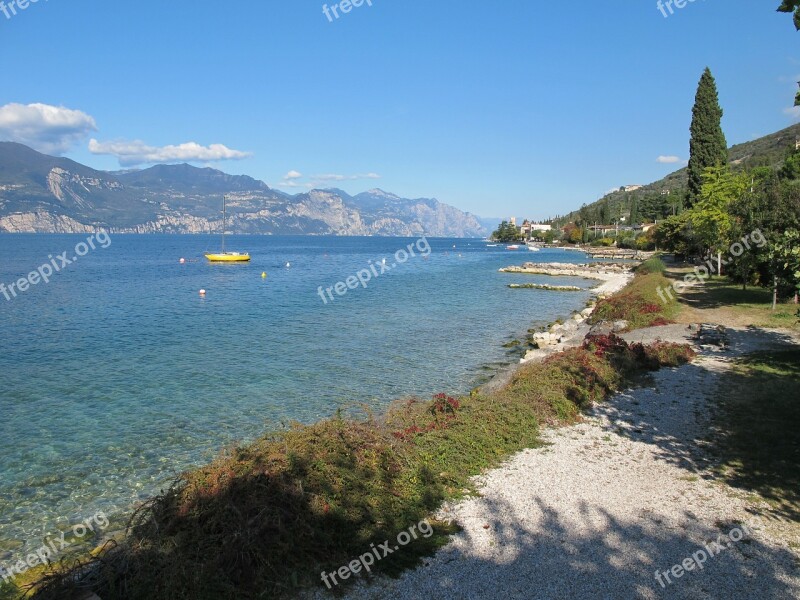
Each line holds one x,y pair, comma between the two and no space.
639,303
651,265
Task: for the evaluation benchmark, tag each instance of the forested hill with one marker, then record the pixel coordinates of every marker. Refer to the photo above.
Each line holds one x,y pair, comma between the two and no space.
658,200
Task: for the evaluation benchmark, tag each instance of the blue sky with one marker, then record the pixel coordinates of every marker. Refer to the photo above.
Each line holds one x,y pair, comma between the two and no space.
524,107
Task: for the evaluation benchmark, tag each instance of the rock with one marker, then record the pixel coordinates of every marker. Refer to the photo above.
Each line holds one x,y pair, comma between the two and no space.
586,312
569,327
602,328
620,325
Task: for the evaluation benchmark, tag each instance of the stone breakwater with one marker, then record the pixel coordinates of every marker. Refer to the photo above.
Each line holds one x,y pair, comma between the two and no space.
560,336
542,286
589,270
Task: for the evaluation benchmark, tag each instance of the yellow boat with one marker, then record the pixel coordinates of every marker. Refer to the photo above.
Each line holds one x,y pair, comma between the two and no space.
226,256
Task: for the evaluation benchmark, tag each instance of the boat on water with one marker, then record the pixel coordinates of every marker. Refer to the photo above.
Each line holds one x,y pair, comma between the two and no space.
512,247
492,245
533,248
224,256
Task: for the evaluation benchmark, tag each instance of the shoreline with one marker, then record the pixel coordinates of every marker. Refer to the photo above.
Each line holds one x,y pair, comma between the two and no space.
624,493
571,333
610,282
633,479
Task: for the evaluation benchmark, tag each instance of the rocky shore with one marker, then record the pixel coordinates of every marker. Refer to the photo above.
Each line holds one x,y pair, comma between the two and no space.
560,336
571,332
602,271
542,286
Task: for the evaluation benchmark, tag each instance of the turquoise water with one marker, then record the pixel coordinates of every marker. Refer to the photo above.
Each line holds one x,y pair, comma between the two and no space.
117,375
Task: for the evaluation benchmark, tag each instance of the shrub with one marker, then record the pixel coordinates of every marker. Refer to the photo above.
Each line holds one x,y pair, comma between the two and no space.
265,519
651,265
639,303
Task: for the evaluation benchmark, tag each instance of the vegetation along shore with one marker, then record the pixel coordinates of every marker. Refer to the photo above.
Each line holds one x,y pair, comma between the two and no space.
272,515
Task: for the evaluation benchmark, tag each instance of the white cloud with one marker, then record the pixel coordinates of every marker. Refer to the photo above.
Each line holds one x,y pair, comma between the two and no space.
291,183
46,128
292,179
792,111
334,177
136,152
668,160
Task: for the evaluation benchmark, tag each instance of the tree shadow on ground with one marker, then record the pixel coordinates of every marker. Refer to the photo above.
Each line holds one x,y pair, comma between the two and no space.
543,553
737,425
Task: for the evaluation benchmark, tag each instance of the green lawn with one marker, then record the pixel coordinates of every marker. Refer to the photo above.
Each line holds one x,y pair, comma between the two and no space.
758,429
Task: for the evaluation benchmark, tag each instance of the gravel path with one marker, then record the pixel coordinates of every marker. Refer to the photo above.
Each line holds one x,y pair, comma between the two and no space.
610,501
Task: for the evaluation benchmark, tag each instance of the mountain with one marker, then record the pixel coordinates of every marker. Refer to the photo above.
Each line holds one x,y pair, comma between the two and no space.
46,194
658,198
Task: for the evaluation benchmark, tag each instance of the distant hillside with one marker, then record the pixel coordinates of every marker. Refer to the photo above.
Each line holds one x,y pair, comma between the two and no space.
657,199
40,193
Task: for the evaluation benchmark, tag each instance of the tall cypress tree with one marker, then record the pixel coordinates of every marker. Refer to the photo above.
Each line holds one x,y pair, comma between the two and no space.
707,147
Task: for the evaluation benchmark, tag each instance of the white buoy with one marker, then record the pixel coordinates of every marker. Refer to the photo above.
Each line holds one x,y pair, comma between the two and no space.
183,260
288,265
202,292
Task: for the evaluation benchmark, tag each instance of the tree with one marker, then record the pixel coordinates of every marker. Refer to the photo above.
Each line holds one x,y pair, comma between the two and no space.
747,212
711,216
787,254
791,166
603,216
677,234
544,236
634,211
506,232
707,147
791,6
572,233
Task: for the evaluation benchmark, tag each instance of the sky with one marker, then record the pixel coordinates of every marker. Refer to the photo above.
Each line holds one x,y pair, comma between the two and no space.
520,108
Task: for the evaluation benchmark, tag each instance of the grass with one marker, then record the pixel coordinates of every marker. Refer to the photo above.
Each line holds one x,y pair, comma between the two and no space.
264,520
639,303
652,265
759,425
722,301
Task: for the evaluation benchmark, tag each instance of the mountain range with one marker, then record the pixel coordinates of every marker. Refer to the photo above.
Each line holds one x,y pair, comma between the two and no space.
47,194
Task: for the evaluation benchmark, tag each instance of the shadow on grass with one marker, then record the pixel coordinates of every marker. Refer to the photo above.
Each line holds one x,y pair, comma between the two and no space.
750,438
760,420
265,521
718,293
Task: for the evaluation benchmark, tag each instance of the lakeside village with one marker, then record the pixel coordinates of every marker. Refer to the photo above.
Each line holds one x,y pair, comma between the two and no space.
619,234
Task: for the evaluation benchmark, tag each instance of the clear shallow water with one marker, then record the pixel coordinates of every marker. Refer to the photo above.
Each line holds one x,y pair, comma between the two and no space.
117,375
